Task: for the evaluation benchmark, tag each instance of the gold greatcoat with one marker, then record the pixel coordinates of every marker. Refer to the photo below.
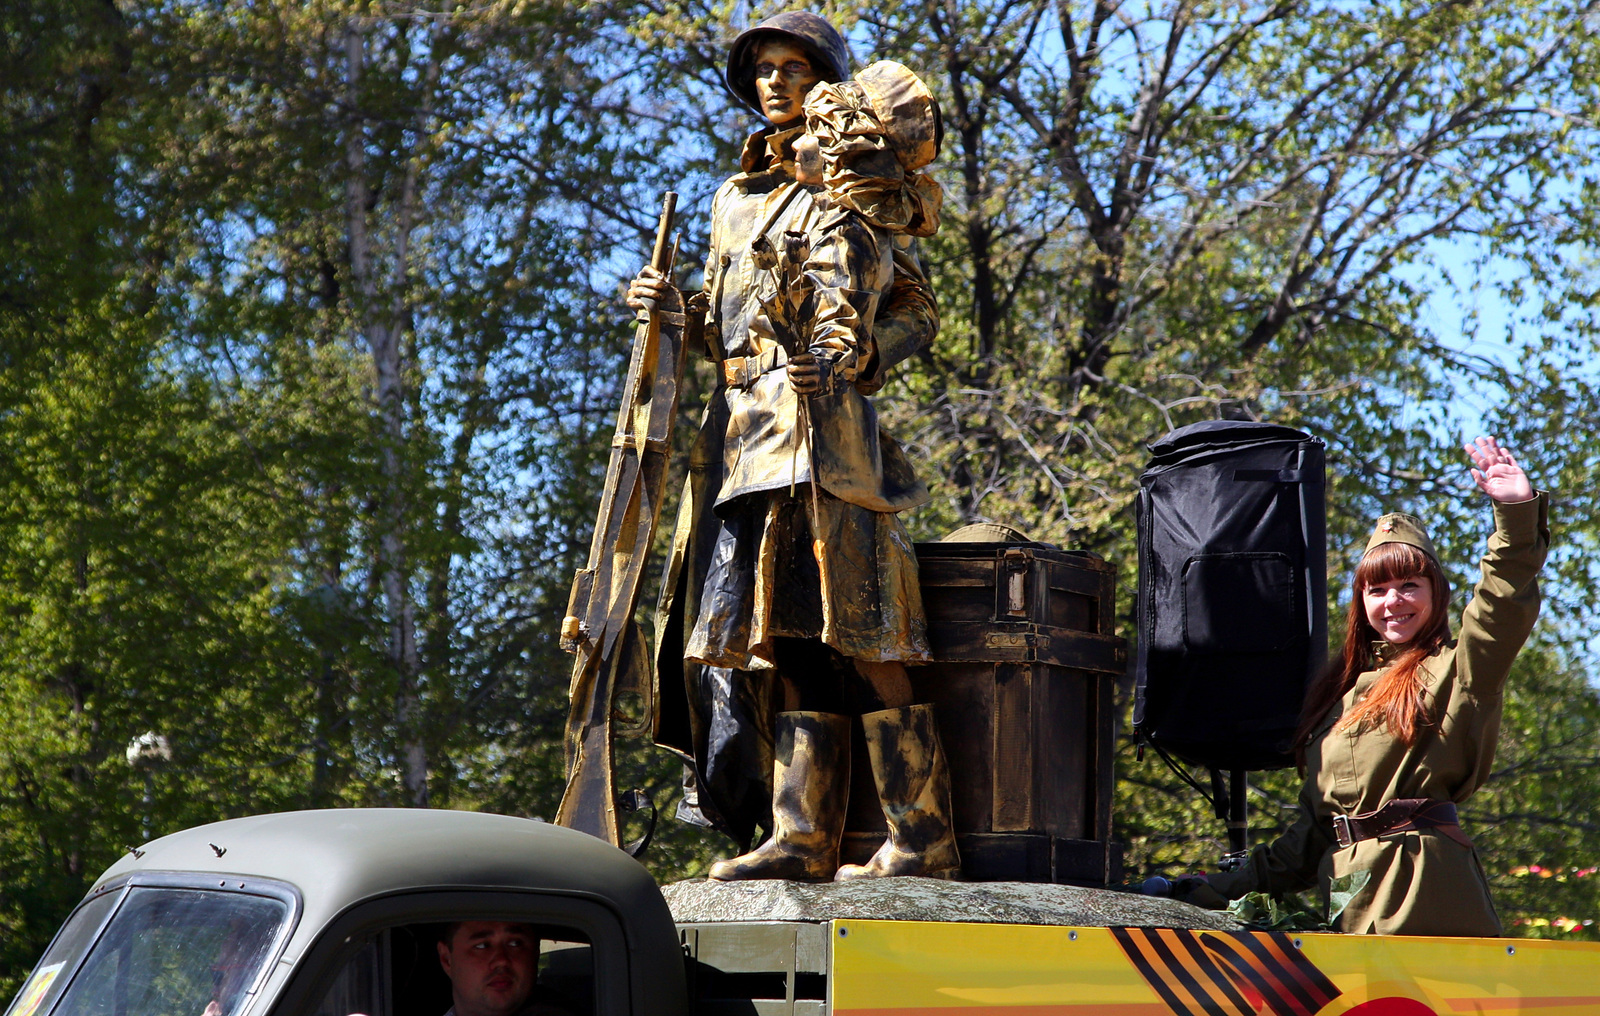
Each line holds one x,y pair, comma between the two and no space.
1419,882
710,715
869,605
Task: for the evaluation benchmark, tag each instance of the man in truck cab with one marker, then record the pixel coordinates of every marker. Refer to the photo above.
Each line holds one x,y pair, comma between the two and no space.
493,968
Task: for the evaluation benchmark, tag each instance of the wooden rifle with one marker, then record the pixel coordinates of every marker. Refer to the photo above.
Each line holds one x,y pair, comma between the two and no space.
599,625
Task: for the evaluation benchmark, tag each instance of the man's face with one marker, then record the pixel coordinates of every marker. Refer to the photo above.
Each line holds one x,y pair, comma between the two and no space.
783,77
491,966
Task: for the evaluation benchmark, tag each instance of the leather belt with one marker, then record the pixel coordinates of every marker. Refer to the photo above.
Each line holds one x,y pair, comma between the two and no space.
1403,815
742,371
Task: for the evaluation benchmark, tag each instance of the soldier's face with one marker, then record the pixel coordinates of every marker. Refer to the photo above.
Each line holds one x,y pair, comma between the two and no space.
783,77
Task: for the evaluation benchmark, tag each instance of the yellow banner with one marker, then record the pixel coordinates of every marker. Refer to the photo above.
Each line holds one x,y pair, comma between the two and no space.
897,968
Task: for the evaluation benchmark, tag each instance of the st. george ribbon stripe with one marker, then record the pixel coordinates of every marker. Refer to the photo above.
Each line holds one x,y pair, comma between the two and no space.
1273,967
1199,983
1304,989
1235,956
1217,976
1213,973
1132,941
1191,984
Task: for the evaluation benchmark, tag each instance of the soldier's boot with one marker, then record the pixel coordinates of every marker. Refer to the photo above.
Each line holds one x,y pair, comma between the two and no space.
810,787
913,779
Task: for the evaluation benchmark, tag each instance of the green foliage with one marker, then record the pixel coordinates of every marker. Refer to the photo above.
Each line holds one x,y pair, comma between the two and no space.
1269,913
1194,212
1534,822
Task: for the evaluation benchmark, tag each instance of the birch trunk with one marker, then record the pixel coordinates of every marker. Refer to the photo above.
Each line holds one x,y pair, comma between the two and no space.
382,324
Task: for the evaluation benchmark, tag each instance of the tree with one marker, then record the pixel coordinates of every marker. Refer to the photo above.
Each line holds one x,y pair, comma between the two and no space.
128,603
1247,199
364,167
309,357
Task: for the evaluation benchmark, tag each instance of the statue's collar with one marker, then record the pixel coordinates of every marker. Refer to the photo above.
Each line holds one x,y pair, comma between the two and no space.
770,149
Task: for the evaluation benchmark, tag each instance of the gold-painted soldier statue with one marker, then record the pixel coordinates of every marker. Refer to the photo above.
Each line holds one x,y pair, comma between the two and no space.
792,586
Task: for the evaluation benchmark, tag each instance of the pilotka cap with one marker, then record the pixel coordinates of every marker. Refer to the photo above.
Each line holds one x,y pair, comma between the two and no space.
1397,527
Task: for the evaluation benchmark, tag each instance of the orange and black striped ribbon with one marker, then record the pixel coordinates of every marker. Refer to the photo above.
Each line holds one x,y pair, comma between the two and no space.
1290,984
1226,973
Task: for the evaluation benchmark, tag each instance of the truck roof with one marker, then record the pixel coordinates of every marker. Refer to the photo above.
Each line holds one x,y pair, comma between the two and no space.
339,857
354,852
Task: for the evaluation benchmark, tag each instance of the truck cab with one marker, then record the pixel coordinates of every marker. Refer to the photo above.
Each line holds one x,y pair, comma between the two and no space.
334,913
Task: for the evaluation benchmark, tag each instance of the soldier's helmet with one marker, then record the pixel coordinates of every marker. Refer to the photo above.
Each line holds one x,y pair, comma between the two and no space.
822,43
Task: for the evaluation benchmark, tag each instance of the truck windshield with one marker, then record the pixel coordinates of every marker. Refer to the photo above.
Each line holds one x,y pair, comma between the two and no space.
166,952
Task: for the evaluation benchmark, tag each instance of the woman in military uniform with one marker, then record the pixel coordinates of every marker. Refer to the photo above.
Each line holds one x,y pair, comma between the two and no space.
1404,728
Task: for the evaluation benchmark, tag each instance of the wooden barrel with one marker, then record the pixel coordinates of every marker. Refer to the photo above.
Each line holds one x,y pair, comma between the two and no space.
1024,685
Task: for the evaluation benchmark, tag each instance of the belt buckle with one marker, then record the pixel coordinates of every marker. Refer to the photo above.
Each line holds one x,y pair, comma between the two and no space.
734,372
1341,830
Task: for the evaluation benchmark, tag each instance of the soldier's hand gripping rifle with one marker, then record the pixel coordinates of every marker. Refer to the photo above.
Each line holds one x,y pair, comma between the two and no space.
599,625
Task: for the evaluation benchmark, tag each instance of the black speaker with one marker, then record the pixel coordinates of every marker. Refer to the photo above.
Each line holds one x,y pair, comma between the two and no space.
1232,609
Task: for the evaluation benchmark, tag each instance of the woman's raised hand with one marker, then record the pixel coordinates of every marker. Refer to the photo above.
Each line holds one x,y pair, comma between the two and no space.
1497,473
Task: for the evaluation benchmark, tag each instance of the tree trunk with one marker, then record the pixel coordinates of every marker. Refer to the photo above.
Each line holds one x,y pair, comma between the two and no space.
381,327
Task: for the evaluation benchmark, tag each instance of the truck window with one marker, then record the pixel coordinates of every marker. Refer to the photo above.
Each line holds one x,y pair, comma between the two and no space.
76,936
363,984
566,971
165,952
396,972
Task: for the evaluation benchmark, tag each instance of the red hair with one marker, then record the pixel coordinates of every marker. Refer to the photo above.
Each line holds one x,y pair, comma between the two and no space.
1396,699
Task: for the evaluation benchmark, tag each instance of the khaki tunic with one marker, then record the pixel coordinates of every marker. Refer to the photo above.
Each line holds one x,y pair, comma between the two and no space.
1418,882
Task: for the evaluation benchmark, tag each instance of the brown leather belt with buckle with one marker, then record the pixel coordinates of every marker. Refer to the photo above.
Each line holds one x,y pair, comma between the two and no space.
1403,815
742,371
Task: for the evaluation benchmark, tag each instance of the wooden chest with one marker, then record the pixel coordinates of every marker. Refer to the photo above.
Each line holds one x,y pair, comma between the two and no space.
1024,684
